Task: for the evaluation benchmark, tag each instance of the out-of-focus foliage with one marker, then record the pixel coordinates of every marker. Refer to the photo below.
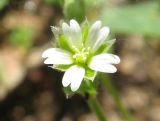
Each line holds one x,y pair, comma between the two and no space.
54,2
78,9
3,4
75,9
142,18
21,37
93,3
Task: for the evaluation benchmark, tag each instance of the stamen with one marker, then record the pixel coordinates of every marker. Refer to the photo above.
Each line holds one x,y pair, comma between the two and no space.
82,45
81,54
84,57
83,50
86,53
75,48
75,56
88,48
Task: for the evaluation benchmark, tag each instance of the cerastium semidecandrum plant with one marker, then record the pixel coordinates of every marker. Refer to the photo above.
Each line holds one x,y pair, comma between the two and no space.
81,52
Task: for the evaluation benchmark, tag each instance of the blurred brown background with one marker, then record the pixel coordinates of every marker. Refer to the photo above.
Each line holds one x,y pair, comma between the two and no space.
30,91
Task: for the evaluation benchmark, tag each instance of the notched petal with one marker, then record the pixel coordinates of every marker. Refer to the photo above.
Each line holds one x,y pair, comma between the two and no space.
107,58
76,34
66,29
74,76
93,34
96,25
51,52
102,67
102,35
59,60
75,26
57,56
79,75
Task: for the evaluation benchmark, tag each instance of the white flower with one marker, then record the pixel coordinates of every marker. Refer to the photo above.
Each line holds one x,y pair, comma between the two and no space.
81,50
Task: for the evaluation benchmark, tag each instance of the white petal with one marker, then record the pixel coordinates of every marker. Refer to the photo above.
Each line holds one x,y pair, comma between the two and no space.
96,25
107,58
66,81
51,52
67,33
75,26
102,67
59,60
93,34
72,33
57,56
66,29
76,35
74,76
102,35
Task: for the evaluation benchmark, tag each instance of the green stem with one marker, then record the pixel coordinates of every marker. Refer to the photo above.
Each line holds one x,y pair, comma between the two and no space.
116,97
95,107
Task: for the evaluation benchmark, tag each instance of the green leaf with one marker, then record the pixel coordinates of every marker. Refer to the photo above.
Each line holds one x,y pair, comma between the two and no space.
143,19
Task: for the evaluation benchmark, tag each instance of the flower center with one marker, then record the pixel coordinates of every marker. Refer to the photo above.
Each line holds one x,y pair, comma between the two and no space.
81,55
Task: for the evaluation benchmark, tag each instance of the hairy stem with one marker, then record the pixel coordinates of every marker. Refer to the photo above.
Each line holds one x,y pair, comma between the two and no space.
107,83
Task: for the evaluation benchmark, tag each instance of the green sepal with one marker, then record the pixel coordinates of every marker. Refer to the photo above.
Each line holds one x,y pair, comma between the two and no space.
90,74
88,86
68,92
61,67
63,43
85,33
105,47
55,31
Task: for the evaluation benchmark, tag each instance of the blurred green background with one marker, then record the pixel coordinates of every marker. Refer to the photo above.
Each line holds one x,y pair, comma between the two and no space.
30,91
